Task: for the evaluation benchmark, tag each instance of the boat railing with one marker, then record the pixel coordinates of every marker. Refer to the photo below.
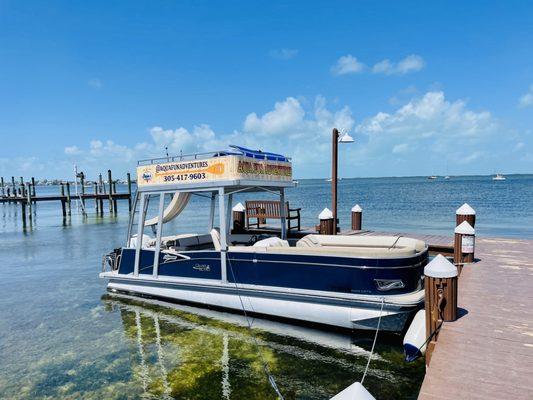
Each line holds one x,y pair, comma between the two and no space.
236,151
187,157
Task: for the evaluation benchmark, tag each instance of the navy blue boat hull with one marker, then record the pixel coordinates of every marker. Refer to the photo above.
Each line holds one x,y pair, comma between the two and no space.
309,272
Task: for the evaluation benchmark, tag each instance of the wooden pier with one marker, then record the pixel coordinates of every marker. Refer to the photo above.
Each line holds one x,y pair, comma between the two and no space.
24,193
488,352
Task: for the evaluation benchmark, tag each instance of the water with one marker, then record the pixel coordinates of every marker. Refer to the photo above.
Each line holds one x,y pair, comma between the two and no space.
63,336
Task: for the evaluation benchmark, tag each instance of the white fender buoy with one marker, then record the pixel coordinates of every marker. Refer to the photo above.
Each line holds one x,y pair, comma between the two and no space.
414,345
356,391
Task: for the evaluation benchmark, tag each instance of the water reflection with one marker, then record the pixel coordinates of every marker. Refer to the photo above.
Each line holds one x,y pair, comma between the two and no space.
188,353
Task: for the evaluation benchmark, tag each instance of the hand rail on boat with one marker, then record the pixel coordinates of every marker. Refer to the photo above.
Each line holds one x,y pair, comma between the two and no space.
186,157
209,154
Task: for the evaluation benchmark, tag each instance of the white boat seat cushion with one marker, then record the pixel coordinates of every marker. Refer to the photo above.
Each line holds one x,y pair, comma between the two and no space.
271,242
366,246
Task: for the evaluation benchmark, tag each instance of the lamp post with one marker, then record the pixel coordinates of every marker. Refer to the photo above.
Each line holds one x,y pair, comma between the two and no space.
336,139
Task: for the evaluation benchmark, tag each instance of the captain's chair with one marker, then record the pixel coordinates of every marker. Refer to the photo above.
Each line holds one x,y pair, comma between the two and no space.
215,236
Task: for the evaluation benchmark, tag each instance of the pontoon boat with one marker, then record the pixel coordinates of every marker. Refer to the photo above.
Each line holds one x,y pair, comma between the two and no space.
341,281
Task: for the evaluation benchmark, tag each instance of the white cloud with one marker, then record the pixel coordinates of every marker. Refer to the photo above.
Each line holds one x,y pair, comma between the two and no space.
400,148
286,115
292,127
420,136
347,64
72,150
283,54
95,83
527,99
431,124
411,63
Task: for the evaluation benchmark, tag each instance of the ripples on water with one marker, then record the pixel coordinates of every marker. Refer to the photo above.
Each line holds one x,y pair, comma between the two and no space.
62,336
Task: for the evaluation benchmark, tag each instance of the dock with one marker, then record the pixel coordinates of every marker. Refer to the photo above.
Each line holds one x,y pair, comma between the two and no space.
25,194
487,353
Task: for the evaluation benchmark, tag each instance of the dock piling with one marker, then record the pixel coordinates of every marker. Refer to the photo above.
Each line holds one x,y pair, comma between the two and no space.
68,200
96,197
357,217
82,183
440,285
238,217
23,187
465,213
326,225
23,209
63,207
464,245
101,188
114,198
110,183
29,201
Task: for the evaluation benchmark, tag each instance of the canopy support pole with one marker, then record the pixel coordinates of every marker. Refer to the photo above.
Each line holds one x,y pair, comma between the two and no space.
140,230
212,211
282,212
155,269
223,236
132,216
228,214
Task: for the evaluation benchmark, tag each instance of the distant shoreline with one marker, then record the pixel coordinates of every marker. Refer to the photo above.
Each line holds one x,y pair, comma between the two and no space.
57,182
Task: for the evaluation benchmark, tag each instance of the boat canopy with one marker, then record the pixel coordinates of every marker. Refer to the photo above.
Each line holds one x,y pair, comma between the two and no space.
237,167
217,174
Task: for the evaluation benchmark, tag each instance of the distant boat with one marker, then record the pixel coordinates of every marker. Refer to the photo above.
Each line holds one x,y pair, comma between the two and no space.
432,177
330,179
446,177
498,177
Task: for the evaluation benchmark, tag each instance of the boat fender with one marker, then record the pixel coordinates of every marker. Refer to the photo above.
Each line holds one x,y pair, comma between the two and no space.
414,341
355,391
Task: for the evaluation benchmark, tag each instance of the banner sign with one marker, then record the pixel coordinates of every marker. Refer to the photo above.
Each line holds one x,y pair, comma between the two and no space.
224,168
467,244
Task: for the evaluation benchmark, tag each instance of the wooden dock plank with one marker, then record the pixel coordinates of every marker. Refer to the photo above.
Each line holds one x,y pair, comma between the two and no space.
488,352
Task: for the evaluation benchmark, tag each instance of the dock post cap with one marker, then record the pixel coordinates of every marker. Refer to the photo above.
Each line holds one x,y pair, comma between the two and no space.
465,228
239,208
355,391
440,267
465,209
357,208
325,214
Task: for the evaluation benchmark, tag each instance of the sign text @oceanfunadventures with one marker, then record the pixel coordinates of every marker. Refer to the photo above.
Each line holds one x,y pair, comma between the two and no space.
225,168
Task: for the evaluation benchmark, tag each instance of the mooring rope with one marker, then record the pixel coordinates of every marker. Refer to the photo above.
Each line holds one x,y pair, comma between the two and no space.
375,340
271,379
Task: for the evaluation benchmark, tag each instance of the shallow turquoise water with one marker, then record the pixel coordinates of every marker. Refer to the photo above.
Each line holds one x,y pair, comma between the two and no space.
62,336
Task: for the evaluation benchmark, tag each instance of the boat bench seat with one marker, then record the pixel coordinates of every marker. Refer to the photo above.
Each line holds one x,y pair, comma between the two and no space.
369,246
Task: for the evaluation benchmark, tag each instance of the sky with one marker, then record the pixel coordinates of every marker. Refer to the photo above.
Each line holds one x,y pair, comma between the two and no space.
423,87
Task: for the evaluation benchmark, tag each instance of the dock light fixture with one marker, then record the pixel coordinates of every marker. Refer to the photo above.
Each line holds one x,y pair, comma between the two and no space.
336,139
346,138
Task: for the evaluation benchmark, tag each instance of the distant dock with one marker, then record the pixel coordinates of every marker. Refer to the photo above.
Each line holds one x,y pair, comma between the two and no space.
24,193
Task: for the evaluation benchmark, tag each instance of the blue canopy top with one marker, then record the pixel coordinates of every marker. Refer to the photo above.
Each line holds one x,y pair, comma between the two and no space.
261,155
